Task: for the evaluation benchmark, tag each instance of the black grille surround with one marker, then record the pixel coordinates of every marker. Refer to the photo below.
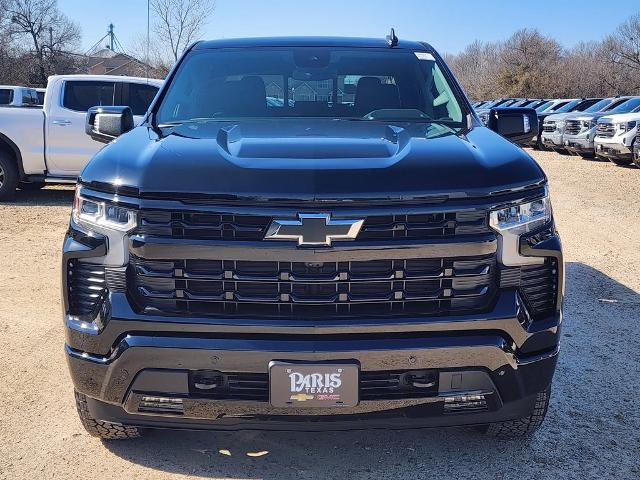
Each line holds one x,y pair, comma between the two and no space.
537,284
382,385
437,286
199,225
86,284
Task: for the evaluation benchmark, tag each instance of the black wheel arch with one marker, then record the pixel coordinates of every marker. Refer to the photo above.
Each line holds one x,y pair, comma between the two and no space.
8,146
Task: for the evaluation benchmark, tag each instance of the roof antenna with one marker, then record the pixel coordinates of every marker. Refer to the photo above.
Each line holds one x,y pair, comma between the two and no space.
392,40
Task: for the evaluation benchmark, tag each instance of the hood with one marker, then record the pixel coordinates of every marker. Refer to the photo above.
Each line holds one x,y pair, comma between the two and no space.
557,117
621,117
586,116
313,160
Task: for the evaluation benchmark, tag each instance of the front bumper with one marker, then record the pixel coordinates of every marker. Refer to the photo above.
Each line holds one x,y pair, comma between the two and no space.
501,355
552,139
579,143
613,149
467,362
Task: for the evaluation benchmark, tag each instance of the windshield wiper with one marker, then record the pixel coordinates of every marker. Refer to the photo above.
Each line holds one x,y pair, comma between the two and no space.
407,115
176,123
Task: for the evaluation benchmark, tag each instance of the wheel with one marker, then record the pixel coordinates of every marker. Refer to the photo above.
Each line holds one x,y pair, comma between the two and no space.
30,186
621,162
98,428
521,427
636,160
9,176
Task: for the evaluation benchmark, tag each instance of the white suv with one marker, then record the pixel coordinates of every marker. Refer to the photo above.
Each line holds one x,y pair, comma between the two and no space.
615,136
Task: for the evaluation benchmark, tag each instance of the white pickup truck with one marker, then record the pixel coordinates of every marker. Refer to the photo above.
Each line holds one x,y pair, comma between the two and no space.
49,145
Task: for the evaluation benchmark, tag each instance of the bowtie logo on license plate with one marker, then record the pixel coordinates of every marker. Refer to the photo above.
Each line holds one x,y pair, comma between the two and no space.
301,397
311,229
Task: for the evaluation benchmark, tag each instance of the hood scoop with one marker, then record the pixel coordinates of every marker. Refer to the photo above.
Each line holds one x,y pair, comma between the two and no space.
375,141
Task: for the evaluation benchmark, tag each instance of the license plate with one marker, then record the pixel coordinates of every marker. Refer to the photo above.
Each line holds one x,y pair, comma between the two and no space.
302,385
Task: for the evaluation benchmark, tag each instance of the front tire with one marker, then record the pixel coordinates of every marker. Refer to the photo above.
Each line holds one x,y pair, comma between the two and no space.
522,427
100,429
9,176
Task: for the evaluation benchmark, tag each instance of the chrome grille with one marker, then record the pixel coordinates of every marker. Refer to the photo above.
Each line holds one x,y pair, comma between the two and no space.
605,130
572,127
312,290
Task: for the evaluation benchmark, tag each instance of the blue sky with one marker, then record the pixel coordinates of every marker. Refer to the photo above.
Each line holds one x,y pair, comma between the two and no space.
448,25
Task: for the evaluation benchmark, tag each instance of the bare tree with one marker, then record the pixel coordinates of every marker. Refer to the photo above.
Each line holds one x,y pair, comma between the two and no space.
623,52
476,68
50,33
530,62
179,22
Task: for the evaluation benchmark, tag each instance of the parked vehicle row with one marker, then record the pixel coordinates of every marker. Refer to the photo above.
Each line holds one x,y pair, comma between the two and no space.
590,127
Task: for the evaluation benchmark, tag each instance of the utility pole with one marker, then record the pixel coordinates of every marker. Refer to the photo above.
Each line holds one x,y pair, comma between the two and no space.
147,60
111,36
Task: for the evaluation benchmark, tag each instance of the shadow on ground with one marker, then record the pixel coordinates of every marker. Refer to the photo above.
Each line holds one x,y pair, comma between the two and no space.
48,197
580,439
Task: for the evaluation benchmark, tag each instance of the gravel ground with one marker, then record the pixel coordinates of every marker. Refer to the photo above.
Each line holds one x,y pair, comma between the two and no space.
592,429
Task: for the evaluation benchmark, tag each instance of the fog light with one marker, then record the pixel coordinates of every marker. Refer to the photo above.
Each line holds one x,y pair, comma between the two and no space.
161,405
464,403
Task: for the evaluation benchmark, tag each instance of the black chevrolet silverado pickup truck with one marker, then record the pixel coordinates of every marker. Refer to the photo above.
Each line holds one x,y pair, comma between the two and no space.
311,233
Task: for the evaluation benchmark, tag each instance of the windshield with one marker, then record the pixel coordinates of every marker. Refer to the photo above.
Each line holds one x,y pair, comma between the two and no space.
627,106
555,108
599,106
310,82
568,107
544,106
6,96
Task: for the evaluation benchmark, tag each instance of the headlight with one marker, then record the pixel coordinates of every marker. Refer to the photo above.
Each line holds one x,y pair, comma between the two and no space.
626,127
522,218
512,221
102,214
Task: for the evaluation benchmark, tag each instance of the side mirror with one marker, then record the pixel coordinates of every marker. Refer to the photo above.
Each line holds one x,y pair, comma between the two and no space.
520,125
104,124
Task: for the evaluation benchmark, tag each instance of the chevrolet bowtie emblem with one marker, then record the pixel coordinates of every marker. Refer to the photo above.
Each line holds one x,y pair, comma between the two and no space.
301,397
313,229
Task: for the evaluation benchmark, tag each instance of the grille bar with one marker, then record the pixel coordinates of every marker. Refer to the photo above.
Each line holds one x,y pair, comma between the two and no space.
86,283
538,285
572,127
222,226
375,287
605,130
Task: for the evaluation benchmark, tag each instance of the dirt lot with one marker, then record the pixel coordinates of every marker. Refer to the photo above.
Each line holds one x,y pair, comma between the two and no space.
592,430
